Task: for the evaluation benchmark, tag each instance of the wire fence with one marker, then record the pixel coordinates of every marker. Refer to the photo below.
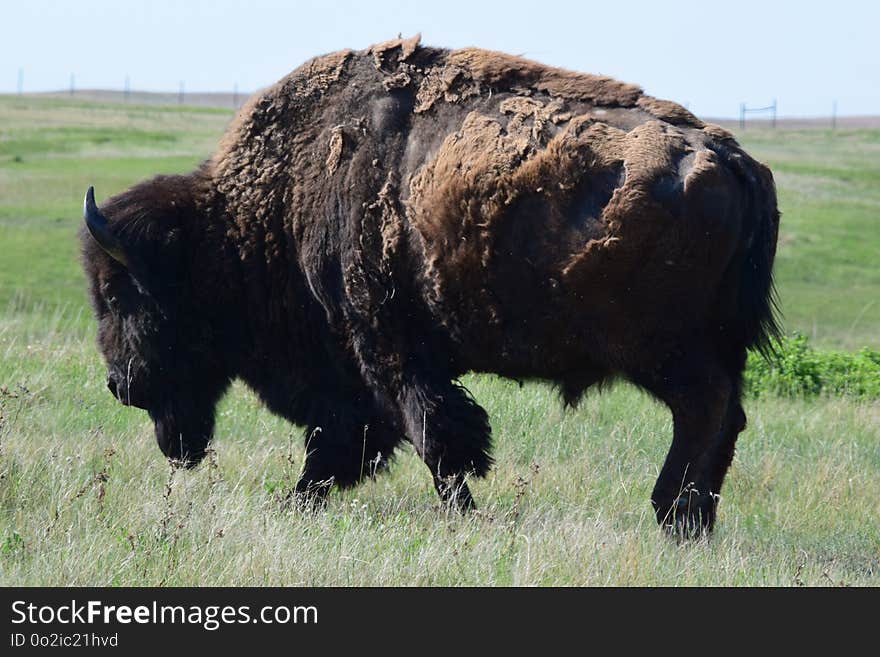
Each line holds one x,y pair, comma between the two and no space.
743,111
235,99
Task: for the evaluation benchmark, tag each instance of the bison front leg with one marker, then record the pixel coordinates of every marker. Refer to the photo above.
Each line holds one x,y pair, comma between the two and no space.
448,429
451,433
345,442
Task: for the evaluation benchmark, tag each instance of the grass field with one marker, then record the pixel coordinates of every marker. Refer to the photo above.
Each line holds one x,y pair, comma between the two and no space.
85,497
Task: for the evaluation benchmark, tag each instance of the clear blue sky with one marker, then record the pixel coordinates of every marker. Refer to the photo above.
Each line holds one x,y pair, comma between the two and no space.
709,55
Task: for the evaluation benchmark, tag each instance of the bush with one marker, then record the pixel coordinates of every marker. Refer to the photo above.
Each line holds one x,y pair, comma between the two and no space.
798,370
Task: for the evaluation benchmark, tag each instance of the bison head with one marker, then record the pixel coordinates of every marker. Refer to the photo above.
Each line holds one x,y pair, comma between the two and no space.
161,352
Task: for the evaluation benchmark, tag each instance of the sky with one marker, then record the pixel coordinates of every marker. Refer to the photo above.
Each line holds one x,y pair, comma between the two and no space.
710,56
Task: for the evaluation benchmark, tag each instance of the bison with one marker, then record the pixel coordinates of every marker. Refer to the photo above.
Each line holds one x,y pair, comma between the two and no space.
380,222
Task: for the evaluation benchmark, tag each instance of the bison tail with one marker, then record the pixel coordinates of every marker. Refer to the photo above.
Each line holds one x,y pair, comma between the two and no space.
757,311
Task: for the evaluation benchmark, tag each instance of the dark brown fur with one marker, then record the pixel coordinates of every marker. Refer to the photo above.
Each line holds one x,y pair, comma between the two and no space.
380,222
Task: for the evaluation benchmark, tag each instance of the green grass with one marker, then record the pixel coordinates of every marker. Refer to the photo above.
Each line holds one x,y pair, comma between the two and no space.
85,497
827,265
51,151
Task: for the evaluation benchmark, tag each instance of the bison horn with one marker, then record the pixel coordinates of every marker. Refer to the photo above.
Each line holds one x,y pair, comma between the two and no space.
100,229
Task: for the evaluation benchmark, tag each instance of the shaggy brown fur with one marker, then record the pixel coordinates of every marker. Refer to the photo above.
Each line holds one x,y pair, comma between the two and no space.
380,222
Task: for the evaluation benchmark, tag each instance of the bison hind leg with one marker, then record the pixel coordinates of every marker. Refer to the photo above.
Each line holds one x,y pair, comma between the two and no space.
701,386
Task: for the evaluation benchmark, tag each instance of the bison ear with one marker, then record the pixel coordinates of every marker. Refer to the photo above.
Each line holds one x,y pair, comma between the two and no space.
100,230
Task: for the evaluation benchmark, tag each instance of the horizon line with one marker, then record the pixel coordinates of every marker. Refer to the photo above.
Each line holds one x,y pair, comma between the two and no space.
244,95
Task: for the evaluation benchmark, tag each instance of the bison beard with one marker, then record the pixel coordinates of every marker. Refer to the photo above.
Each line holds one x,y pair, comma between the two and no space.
380,222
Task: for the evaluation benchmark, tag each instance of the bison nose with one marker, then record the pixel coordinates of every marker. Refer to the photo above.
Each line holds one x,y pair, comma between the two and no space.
111,386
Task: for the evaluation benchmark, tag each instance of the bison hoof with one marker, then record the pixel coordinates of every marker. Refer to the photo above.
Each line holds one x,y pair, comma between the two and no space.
188,462
690,516
454,492
309,496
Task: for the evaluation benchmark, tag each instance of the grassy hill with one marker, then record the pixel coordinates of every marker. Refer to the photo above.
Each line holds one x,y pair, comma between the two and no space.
85,497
